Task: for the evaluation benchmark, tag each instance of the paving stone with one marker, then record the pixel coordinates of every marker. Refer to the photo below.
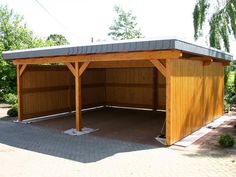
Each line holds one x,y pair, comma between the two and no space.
34,151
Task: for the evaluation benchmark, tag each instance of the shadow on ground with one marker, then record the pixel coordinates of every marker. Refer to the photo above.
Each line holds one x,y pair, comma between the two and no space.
208,144
86,148
138,126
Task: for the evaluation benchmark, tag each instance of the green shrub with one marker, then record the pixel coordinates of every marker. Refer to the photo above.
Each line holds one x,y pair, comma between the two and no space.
10,98
226,140
226,106
13,112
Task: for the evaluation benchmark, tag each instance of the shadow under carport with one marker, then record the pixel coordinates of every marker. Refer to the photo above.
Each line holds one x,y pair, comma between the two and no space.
139,126
86,148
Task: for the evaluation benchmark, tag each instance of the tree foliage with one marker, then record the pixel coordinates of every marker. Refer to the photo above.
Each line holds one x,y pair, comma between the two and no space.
220,16
57,39
14,34
125,25
222,21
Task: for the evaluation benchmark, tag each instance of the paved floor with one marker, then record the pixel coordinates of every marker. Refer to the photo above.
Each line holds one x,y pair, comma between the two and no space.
137,126
27,150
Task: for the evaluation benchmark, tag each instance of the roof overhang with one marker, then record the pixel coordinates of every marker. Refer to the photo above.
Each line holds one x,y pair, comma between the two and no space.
119,47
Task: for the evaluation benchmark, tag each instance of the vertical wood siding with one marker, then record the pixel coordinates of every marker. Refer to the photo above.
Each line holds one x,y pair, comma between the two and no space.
195,96
213,106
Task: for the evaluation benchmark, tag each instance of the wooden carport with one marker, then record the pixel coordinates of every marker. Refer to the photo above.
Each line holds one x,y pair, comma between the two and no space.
193,80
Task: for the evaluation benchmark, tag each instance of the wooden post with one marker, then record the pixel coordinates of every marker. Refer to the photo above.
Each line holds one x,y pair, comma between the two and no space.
154,89
168,104
19,92
78,117
105,88
69,91
77,71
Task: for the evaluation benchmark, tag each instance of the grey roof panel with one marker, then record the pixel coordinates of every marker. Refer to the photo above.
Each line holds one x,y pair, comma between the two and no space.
120,46
152,45
187,47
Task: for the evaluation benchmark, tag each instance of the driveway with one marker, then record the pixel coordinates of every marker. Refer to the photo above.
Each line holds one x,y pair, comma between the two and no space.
27,150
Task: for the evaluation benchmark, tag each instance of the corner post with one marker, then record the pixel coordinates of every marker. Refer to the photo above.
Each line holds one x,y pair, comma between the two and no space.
18,67
168,103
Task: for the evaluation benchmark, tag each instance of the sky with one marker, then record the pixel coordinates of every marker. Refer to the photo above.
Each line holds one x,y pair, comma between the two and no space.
80,20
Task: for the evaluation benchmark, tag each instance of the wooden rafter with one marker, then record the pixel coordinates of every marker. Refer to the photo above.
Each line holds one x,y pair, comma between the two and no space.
159,66
123,56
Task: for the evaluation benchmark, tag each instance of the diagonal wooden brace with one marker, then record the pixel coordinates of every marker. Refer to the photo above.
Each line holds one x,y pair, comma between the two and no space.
159,66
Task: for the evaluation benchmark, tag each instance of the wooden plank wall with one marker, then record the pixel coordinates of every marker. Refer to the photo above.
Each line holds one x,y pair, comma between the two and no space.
129,87
44,90
191,85
93,88
50,89
161,91
133,87
213,91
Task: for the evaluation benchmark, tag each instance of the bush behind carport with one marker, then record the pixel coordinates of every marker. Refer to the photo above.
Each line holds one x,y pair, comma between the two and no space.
13,112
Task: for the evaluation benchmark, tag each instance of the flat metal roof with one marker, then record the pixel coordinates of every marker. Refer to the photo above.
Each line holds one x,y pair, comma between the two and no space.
120,46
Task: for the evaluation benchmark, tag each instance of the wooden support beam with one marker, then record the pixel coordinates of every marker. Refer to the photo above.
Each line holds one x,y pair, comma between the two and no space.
225,63
78,117
83,68
18,69
159,66
22,68
118,56
208,60
71,68
77,71
202,58
121,64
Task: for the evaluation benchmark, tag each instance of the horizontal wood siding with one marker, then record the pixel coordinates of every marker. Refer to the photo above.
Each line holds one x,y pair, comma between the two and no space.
161,91
93,88
195,93
132,87
45,90
50,89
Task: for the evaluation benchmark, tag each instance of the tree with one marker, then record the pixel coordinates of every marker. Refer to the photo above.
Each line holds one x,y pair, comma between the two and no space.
221,16
13,35
57,39
125,25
